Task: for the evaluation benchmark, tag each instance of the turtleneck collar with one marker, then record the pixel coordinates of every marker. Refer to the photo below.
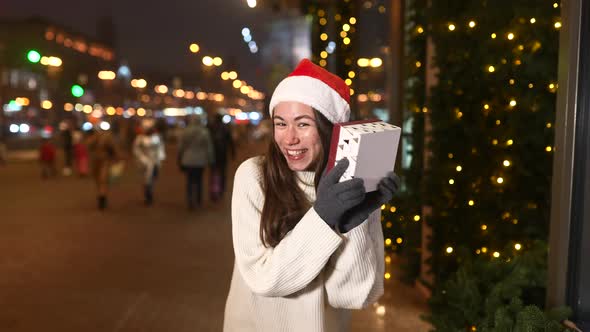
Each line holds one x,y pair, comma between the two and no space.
306,177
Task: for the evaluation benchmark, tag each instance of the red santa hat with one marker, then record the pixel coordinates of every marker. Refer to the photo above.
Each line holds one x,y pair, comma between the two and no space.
312,85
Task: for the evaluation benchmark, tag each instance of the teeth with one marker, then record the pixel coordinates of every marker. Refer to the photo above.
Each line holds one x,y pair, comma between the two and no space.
295,152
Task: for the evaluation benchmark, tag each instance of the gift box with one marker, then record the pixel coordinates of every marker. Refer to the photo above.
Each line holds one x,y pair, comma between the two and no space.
369,145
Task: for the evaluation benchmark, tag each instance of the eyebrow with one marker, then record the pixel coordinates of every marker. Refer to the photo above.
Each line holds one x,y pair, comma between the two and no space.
297,118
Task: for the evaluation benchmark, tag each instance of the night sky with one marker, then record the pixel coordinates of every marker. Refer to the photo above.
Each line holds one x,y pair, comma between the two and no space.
154,35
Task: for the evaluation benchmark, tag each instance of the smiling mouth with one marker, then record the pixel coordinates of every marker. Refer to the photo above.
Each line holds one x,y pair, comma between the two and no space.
295,153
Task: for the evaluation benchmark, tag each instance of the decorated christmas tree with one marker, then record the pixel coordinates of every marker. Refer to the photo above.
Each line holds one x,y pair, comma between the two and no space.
488,184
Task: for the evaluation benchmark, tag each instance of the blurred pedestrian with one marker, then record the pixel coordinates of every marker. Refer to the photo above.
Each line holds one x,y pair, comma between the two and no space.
195,152
103,152
308,248
68,148
47,152
223,145
148,149
80,154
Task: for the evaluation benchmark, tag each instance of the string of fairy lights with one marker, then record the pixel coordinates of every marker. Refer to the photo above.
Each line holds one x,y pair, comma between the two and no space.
510,105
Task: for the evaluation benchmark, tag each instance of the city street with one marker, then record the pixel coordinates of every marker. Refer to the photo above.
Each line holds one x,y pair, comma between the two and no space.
67,267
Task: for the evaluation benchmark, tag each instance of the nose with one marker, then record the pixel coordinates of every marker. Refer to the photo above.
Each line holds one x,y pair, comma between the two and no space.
292,136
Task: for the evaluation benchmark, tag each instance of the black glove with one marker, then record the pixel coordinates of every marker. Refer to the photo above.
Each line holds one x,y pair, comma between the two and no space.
334,198
386,188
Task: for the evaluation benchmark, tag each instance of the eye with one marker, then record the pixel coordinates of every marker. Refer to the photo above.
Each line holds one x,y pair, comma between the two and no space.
279,124
303,124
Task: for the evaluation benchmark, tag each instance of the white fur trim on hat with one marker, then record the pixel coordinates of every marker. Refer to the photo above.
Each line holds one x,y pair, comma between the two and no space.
313,92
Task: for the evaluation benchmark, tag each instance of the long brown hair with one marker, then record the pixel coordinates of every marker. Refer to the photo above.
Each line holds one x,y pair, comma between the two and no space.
285,203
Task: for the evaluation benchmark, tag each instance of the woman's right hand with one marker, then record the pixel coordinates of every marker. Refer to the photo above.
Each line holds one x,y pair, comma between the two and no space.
335,198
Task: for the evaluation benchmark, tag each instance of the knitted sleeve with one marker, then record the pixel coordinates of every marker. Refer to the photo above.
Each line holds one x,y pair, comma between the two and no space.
354,274
295,261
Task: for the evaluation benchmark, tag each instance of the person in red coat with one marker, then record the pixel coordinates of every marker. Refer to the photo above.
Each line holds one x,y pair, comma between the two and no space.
47,154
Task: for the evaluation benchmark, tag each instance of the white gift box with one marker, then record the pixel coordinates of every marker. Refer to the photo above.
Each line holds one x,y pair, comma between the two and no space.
369,145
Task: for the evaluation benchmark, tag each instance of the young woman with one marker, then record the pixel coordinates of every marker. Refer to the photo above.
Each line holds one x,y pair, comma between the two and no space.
308,248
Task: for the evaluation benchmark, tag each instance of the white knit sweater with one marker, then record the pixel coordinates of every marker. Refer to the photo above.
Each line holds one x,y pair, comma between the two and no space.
310,279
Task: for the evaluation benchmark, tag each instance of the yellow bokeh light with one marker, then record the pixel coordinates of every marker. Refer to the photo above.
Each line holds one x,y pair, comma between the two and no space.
484,227
375,62
337,17
418,64
387,259
323,62
491,69
484,250
387,242
471,202
451,27
351,74
548,149
352,20
419,29
194,48
496,254
111,110
511,81
450,155
225,76
324,54
509,142
557,25
459,168
324,36
236,84
555,5
346,27
506,163
533,20
207,61
498,122
46,104
472,24
493,35
510,36
323,21
321,13
392,209
451,181
399,240
449,250
343,34
416,218
387,275
68,107
512,102
383,207
548,125
518,246
486,106
500,180
346,41
217,61
348,81
351,92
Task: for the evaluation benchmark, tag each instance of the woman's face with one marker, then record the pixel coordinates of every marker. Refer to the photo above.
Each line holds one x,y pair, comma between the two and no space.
296,134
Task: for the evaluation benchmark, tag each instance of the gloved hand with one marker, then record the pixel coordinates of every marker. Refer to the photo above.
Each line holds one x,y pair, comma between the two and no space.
386,188
334,198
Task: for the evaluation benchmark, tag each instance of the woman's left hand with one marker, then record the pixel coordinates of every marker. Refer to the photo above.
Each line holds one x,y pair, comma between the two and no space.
386,188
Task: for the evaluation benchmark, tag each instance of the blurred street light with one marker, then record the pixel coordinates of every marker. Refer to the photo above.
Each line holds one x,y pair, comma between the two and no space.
194,47
252,3
138,83
107,75
208,61
33,56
